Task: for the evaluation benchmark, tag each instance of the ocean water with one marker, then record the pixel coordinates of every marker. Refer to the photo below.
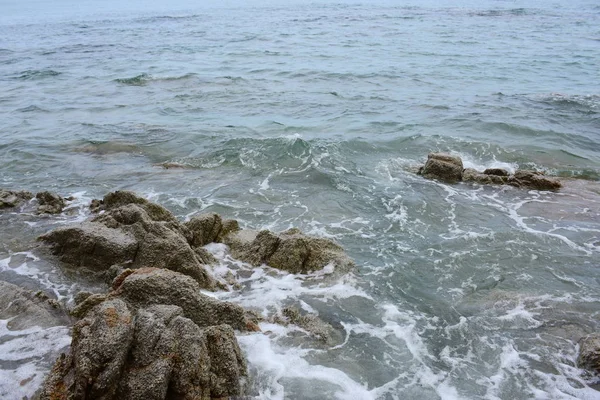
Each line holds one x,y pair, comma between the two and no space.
314,115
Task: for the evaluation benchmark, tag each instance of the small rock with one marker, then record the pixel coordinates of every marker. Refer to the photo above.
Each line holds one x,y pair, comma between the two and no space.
443,167
496,172
472,175
9,198
533,180
49,203
290,250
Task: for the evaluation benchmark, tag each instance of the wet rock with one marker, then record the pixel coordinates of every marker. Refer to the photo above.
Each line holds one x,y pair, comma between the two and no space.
496,172
9,198
205,228
155,336
472,175
131,231
443,167
589,353
26,309
311,323
290,250
49,203
533,180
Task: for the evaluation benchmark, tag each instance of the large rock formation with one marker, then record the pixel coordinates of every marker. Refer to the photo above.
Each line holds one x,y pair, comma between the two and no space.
131,231
290,250
448,168
154,336
26,309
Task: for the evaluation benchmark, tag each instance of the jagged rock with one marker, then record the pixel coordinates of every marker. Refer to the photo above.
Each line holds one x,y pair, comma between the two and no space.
26,309
9,198
533,180
443,167
472,175
49,203
290,250
205,228
496,172
131,231
589,353
155,336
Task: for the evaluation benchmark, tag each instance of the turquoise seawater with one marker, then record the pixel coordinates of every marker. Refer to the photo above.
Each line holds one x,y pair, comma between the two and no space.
314,115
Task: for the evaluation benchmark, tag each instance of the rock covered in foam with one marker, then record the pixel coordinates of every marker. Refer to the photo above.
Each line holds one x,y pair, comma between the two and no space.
155,336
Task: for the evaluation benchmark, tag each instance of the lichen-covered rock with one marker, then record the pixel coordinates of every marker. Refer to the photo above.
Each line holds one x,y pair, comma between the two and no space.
26,309
290,250
472,175
589,353
155,336
443,167
49,203
533,180
132,231
9,198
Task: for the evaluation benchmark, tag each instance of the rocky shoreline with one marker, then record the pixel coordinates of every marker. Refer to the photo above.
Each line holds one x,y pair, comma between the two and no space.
153,334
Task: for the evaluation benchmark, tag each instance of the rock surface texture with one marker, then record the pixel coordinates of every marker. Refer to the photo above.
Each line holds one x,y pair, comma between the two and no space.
154,336
448,168
589,353
443,167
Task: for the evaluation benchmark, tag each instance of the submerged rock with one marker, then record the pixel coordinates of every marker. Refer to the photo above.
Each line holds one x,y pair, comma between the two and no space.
589,353
49,203
155,336
291,250
131,231
443,167
26,309
9,198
